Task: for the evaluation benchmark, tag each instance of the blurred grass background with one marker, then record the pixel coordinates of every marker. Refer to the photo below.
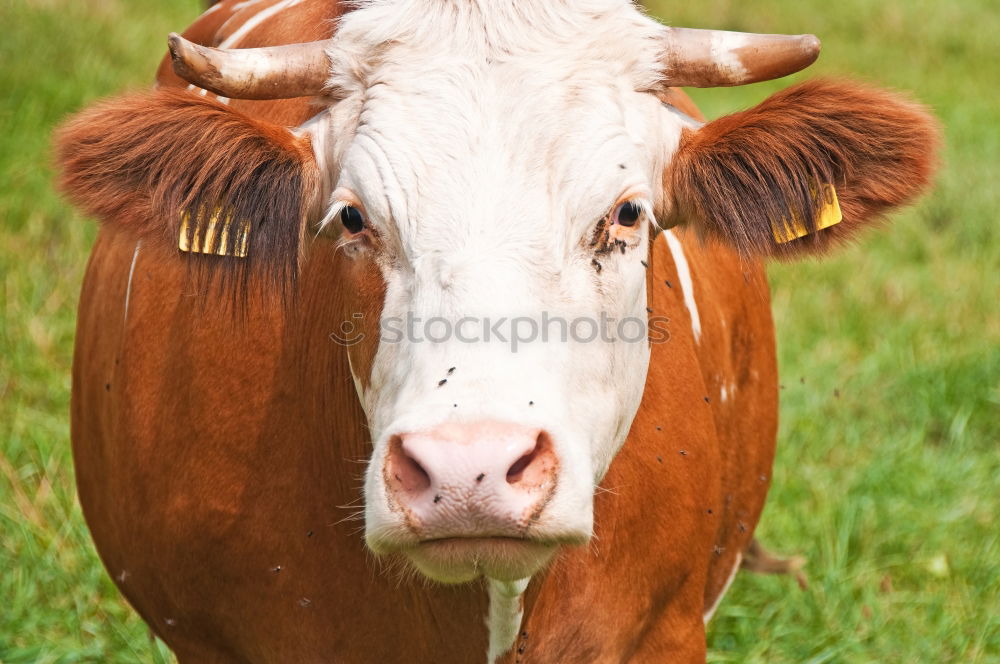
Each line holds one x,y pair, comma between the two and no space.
888,469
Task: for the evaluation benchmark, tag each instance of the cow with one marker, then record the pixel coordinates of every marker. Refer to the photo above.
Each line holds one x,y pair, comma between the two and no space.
301,431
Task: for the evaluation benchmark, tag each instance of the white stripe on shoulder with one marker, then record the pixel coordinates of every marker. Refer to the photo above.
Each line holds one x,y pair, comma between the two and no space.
687,285
255,20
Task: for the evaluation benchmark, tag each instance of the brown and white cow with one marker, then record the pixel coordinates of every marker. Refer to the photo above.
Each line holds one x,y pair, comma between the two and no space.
240,421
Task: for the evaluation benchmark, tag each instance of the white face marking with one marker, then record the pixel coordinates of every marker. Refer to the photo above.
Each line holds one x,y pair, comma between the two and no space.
725,588
687,285
131,273
486,142
506,612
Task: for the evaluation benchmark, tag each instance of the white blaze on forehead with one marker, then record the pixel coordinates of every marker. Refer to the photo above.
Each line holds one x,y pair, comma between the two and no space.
489,138
687,285
723,49
484,122
485,142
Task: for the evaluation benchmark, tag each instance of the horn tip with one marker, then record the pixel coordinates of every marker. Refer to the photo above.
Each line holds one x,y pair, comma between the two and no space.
182,51
174,43
186,59
811,46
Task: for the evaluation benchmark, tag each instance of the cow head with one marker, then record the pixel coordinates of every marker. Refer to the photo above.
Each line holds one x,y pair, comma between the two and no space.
496,175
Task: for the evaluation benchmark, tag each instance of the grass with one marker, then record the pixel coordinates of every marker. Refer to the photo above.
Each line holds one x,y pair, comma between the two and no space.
888,469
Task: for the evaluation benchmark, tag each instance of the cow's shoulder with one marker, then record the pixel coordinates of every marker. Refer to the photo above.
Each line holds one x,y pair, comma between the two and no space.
727,311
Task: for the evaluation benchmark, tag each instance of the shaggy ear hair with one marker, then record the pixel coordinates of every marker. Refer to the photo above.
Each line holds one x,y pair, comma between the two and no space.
738,176
144,162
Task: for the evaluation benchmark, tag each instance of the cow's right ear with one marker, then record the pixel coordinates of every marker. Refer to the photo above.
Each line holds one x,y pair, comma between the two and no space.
805,169
175,167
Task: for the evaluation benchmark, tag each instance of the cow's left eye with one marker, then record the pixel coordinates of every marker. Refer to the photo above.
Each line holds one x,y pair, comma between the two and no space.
352,219
626,214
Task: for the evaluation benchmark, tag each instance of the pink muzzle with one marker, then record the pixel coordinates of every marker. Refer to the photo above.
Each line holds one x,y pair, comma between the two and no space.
471,480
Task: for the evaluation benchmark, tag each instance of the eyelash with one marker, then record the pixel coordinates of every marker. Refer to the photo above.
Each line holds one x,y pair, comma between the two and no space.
346,213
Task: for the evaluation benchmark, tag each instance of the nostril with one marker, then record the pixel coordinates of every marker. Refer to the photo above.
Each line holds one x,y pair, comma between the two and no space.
516,472
536,467
404,472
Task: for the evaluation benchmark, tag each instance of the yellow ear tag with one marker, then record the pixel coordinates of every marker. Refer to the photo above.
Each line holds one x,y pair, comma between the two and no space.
787,230
204,234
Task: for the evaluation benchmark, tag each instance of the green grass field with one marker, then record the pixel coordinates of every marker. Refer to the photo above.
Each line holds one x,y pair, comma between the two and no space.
888,469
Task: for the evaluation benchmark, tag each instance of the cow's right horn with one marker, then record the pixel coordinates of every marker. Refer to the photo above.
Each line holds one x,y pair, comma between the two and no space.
714,58
273,72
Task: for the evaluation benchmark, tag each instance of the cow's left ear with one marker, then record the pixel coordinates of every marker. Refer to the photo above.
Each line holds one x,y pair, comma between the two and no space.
803,170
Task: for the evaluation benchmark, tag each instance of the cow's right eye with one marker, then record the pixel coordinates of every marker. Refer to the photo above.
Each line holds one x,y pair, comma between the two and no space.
352,219
627,214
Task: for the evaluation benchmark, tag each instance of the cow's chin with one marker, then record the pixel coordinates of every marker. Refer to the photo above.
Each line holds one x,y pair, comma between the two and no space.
463,559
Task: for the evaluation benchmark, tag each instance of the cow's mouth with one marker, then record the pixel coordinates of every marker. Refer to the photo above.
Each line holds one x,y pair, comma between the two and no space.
462,559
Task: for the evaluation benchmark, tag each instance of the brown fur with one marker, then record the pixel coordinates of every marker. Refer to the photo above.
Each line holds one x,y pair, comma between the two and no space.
225,521
736,175
735,352
200,473
144,160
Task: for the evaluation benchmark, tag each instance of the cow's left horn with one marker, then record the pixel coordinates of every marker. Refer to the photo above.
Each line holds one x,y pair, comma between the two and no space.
716,58
273,72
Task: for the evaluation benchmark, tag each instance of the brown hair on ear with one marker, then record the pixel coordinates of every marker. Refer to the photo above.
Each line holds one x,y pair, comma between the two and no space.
737,176
144,161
